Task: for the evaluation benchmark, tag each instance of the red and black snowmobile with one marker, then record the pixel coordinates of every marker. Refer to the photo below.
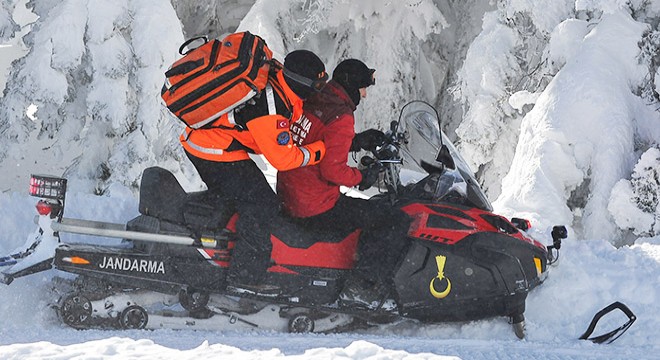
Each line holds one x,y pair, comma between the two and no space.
464,262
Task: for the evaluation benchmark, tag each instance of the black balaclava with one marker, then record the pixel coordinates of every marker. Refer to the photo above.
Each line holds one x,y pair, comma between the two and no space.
352,75
306,64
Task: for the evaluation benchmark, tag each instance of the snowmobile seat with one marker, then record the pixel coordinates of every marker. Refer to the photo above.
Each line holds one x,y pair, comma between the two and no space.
162,197
298,235
298,245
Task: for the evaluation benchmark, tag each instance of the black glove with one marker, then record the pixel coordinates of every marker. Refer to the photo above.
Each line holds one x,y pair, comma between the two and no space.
368,140
369,177
249,111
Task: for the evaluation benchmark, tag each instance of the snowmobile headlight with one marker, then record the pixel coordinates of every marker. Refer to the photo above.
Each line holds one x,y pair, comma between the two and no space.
48,187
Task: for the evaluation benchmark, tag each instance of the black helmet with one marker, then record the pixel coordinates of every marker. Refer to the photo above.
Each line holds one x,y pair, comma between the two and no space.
304,72
352,75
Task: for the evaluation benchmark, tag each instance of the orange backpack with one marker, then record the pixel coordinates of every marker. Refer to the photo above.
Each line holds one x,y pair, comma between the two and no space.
215,77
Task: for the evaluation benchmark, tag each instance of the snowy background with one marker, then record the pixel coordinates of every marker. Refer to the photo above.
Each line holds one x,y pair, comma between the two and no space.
553,103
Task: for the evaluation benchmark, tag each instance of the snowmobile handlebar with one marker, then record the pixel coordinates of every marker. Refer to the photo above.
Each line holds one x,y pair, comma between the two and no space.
389,151
386,158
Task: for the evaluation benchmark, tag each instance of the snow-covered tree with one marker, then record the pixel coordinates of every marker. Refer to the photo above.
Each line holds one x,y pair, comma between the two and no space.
212,18
387,36
8,27
505,69
580,137
635,203
88,89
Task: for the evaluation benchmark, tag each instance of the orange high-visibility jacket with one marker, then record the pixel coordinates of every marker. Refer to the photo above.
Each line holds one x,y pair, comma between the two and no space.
267,133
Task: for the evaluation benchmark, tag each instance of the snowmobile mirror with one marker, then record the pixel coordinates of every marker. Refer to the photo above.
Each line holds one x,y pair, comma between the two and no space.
614,334
444,157
431,168
559,232
522,224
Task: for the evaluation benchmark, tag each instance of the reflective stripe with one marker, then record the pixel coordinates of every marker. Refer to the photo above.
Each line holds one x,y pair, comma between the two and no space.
230,117
306,156
270,98
202,149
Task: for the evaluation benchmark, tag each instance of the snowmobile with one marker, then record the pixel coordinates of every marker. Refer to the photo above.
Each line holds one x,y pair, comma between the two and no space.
170,268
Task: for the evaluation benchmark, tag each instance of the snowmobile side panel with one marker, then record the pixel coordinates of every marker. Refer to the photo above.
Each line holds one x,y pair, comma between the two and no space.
320,254
485,275
451,223
133,268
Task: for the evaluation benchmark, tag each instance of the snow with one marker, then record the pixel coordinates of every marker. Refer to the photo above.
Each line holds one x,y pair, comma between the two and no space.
590,275
549,109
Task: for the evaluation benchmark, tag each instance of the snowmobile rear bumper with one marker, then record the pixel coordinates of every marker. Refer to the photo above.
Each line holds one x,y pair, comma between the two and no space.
8,277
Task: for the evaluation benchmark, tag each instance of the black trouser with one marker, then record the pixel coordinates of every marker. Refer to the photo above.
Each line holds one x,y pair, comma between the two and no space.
384,234
244,186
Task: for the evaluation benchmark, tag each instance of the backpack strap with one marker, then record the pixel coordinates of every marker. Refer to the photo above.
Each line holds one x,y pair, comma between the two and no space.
189,41
270,102
270,99
277,88
230,117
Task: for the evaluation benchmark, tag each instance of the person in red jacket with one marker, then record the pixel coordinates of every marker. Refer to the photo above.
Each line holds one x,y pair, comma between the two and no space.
220,153
312,194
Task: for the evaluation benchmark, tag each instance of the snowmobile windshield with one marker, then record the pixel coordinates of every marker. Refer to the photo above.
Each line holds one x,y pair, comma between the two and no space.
450,181
420,125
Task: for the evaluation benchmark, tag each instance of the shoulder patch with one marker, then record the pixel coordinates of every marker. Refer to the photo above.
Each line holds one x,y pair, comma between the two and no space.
283,124
283,138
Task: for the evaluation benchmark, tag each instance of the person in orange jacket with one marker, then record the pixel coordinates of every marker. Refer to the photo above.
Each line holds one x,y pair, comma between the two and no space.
220,153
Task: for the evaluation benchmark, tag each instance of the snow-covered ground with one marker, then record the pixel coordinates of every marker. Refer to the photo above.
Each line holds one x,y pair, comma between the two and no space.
589,275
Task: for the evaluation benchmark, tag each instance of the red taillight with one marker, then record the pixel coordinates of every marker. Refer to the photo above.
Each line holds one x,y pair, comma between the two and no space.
44,208
47,187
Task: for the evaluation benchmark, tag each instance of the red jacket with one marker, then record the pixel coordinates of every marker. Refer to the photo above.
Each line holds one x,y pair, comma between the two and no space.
312,190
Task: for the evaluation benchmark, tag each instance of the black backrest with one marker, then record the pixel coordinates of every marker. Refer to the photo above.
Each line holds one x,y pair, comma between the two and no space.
162,197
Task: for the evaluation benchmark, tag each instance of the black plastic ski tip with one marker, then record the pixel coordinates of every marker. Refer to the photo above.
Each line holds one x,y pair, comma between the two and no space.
614,334
6,279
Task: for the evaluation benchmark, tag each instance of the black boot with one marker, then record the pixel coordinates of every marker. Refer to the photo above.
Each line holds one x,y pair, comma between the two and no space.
362,293
243,282
248,272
